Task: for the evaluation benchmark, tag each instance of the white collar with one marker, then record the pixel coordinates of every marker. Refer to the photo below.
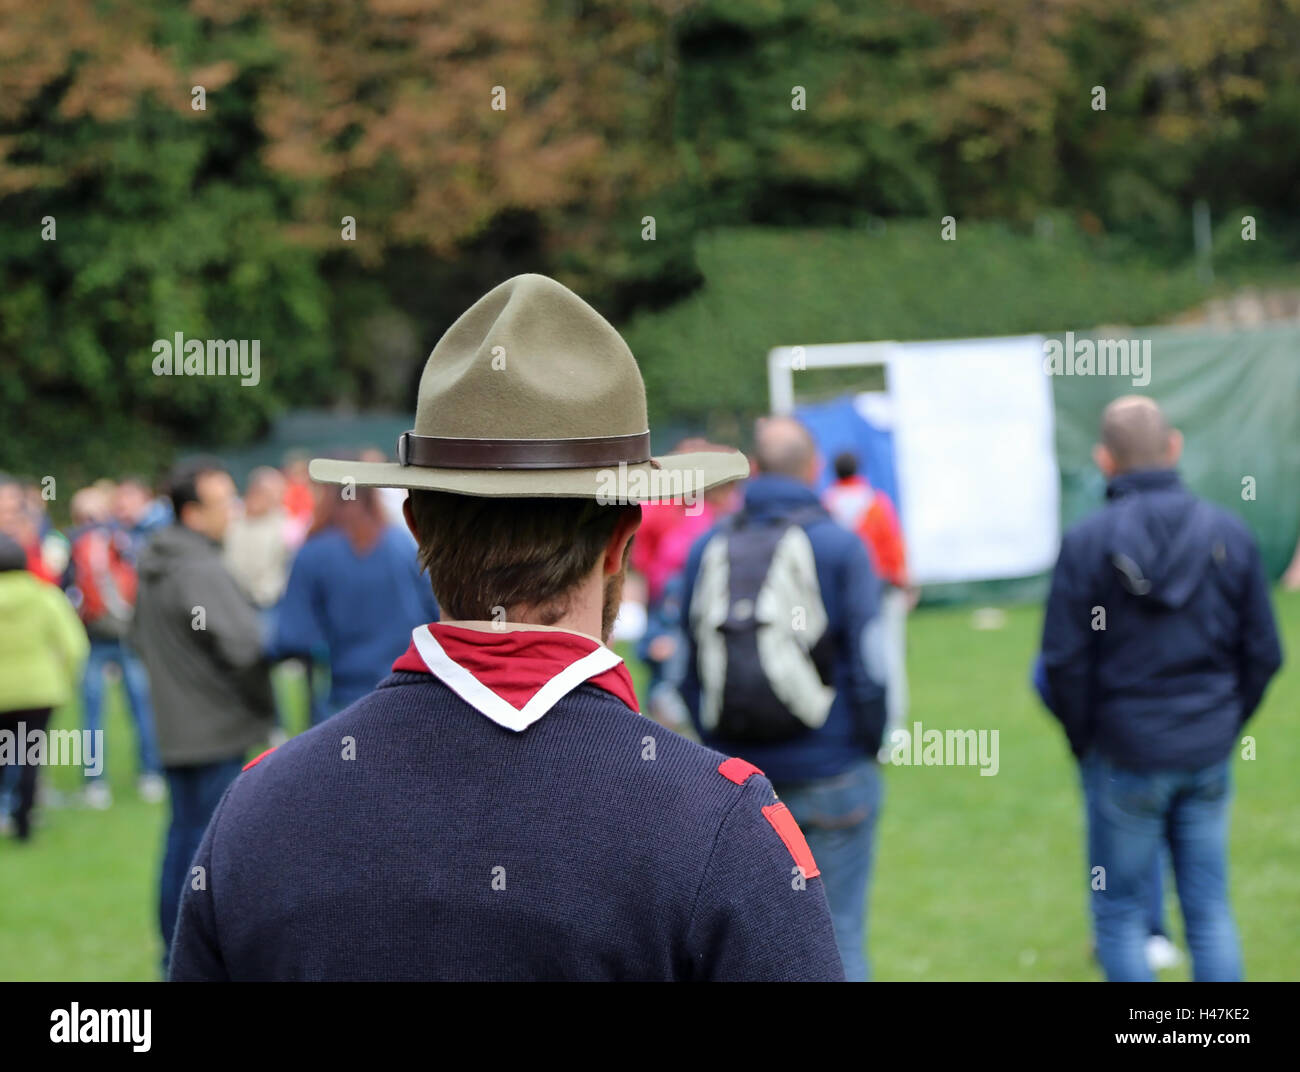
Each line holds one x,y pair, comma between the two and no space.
479,696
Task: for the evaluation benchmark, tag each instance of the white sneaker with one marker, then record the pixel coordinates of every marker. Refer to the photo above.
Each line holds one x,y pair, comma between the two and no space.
1162,953
152,788
98,796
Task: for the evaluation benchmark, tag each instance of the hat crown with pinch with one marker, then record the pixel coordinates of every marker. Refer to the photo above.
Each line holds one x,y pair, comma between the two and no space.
531,360
531,392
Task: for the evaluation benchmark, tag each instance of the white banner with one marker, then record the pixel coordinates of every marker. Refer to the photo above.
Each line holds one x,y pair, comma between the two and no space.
976,458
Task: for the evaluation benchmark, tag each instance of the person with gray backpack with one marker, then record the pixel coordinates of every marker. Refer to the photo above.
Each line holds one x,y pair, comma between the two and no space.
786,664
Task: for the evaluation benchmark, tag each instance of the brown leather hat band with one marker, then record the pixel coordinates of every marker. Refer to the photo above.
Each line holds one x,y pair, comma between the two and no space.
437,452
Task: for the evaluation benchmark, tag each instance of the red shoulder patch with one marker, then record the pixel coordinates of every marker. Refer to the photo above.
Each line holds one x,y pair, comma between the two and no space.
737,770
258,759
783,823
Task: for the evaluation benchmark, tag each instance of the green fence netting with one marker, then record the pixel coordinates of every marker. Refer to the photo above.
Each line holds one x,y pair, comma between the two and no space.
1235,395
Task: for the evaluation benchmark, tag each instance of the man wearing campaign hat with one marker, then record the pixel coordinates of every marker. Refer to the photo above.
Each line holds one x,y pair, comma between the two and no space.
497,808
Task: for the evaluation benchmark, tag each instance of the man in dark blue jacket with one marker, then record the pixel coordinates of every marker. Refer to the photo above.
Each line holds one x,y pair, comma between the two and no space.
1158,644
824,767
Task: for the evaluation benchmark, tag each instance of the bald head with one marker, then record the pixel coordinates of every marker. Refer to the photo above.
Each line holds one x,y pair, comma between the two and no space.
782,445
1135,435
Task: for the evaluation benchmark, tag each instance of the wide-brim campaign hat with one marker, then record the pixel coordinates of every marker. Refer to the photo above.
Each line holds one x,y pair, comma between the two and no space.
532,393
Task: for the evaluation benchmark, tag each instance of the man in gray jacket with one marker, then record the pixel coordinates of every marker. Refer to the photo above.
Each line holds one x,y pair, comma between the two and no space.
200,639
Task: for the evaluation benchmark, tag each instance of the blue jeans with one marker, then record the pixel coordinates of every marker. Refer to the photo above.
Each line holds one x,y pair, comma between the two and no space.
195,794
1156,892
838,817
1156,896
136,683
1129,814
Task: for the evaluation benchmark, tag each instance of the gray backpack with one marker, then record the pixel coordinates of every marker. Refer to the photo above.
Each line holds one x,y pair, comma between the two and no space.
763,652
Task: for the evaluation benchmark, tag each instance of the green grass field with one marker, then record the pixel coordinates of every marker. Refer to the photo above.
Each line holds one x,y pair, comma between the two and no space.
976,878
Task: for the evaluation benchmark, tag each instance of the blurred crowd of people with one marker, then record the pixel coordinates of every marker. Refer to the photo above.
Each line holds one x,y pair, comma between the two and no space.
188,598
770,615
189,594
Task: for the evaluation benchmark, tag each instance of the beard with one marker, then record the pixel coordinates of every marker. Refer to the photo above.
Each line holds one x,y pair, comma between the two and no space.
613,594
610,603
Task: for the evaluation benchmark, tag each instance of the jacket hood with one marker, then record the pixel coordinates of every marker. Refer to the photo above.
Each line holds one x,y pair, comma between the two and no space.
770,494
171,546
1163,541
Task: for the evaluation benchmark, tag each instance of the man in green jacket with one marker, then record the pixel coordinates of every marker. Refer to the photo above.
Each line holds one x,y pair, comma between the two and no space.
43,647
200,639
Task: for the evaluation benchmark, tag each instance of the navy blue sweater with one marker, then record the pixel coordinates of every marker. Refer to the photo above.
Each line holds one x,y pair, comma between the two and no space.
451,848
1189,642
850,592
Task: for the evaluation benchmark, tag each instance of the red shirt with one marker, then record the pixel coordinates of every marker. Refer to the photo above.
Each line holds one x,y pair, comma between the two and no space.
857,506
36,563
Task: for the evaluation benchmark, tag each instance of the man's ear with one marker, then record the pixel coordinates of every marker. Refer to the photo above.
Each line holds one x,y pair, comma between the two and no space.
410,517
813,469
1175,446
1103,460
616,550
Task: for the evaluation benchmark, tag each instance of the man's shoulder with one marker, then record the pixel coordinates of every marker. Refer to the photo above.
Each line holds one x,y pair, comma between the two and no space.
663,778
319,547
828,534
674,757
687,797
686,783
286,770
1231,526
1092,524
1111,515
833,545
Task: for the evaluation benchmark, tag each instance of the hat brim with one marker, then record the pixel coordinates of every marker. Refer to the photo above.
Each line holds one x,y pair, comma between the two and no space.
673,477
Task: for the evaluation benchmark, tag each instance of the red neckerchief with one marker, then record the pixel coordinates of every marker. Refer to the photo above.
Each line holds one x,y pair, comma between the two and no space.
514,676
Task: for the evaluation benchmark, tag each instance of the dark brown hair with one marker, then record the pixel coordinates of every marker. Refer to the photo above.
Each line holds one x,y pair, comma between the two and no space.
183,483
483,553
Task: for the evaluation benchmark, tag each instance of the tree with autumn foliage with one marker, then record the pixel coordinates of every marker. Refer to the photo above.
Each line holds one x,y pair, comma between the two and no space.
298,173
339,178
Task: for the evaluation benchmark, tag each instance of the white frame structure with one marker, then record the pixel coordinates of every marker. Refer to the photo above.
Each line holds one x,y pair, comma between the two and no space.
781,365
980,489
